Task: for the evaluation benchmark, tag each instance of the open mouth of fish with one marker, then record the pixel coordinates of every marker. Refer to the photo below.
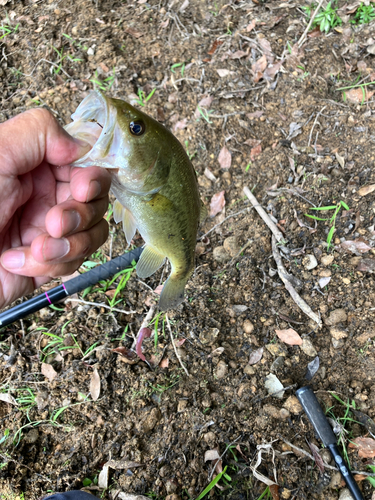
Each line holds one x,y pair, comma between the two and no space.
95,122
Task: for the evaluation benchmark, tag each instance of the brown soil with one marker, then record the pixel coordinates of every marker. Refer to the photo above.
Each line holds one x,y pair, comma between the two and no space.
158,418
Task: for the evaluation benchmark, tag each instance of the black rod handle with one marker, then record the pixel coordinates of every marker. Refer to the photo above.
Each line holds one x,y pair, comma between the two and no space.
321,426
72,286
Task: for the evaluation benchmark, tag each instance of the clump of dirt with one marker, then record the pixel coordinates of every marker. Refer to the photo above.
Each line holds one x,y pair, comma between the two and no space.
230,78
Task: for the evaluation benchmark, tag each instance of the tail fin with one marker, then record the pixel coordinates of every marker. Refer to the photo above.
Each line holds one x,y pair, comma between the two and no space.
173,293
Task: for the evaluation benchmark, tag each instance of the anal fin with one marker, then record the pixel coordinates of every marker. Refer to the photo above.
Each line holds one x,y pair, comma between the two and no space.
172,294
129,225
149,262
118,211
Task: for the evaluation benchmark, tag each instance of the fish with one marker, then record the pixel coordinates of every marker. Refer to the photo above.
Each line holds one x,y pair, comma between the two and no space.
154,183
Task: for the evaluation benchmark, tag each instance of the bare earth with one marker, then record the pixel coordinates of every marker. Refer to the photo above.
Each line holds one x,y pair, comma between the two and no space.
291,137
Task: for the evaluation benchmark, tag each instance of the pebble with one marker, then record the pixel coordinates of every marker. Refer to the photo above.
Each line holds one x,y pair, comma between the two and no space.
308,348
338,333
285,494
335,317
309,262
90,51
325,273
174,496
293,405
335,480
32,436
210,438
272,411
278,363
247,326
220,255
221,370
239,309
337,344
284,413
326,260
326,456
275,349
231,245
208,337
249,370
345,495
150,421
182,405
273,385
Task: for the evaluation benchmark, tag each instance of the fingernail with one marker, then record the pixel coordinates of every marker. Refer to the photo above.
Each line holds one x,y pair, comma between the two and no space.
93,191
71,219
13,259
55,248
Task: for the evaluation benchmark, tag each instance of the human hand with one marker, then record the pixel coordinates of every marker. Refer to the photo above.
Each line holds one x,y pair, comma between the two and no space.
51,216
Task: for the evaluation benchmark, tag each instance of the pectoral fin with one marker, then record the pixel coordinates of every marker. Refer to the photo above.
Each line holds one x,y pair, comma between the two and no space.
120,213
149,262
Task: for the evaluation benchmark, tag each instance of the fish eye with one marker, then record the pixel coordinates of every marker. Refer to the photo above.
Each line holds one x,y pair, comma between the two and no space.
137,128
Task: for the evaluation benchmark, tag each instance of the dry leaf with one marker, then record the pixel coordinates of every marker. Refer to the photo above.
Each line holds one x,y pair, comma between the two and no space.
256,114
225,158
158,289
238,54
365,190
289,336
364,446
144,333
252,142
164,363
255,356
6,397
215,45
318,459
272,70
255,152
203,103
217,203
134,32
355,246
181,124
324,282
358,95
48,371
223,72
266,46
251,26
260,65
95,385
207,172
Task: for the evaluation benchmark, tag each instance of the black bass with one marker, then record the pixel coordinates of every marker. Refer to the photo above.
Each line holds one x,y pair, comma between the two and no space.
154,183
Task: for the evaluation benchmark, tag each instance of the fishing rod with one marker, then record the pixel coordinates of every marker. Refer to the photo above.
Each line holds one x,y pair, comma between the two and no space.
102,272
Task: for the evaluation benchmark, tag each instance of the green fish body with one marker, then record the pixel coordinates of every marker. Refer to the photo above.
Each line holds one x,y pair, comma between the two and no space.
154,183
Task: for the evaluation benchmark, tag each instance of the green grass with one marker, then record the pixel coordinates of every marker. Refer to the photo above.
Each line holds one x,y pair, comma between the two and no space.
7,30
105,84
205,114
142,99
62,57
327,18
178,65
332,219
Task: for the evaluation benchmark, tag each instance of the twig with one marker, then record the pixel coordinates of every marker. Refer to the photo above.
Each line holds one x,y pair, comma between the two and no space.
10,459
302,39
284,276
99,304
277,233
301,450
312,128
222,222
49,62
232,261
174,346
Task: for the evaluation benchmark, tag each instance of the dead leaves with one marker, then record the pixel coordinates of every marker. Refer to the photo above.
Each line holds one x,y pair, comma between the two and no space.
365,190
289,336
95,385
358,95
225,158
217,203
48,371
364,446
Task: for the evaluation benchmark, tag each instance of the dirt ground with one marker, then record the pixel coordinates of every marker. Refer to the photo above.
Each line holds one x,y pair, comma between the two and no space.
253,109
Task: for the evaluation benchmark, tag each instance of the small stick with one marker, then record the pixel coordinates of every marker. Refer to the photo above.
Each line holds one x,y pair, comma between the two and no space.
284,278
277,233
99,304
312,128
174,346
301,450
302,39
221,456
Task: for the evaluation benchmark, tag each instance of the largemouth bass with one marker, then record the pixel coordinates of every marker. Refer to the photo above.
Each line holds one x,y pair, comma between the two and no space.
154,183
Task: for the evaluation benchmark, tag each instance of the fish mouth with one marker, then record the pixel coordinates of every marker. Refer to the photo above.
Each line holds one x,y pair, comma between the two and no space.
94,122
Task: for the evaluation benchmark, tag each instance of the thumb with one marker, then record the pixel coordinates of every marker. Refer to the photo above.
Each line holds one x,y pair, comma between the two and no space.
35,136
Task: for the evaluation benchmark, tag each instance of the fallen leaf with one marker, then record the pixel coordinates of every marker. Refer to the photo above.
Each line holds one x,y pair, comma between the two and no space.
203,103
211,455
258,67
355,246
144,333
255,152
267,50
95,385
48,371
289,336
255,356
256,114
238,54
358,95
158,289
217,203
274,490
181,124
164,363
341,161
6,397
164,24
251,26
365,190
252,142
125,353
134,32
225,158
364,446
324,282
272,70
318,459
214,47
223,72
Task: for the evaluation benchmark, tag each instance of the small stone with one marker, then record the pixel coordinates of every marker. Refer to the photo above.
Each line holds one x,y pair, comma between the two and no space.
335,480
326,260
182,405
231,245
210,438
249,370
338,333
309,262
90,51
337,344
284,413
32,436
247,326
308,348
293,405
276,350
208,337
274,386
346,281
239,309
220,255
278,363
326,456
221,370
285,494
171,487
335,317
325,273
272,411
345,495
149,422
